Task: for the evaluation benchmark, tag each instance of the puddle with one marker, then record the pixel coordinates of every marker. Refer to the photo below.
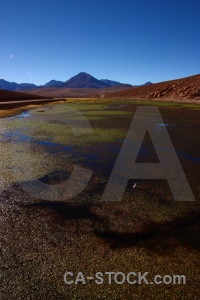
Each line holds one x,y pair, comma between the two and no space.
17,136
20,137
100,160
189,157
96,161
165,125
24,114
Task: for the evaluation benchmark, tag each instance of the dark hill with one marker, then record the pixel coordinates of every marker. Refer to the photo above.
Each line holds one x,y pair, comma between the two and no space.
84,80
14,96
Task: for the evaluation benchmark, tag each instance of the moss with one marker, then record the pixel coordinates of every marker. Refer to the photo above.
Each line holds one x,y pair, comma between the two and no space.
146,232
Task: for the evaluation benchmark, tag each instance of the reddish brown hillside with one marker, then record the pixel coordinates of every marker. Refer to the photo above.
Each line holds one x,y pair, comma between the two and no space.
14,96
185,88
60,92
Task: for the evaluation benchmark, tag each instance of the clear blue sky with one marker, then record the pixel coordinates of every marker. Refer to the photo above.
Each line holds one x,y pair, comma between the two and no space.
129,41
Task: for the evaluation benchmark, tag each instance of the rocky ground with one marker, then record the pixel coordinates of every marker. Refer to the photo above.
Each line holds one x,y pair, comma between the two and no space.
184,89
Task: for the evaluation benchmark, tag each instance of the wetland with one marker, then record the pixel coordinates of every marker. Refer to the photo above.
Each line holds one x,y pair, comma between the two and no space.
146,231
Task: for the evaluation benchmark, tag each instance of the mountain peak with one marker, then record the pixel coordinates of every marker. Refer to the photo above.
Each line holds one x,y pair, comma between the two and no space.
83,73
84,80
53,83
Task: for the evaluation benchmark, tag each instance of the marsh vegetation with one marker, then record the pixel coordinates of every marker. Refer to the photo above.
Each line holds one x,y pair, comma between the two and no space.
146,231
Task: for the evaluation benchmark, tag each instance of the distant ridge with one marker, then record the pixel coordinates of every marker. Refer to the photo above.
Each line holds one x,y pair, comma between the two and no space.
81,80
113,83
54,83
13,86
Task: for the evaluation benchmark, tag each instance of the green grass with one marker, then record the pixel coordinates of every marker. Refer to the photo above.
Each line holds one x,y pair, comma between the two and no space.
163,104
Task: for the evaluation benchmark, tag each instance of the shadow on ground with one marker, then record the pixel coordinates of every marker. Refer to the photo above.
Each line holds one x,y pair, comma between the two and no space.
160,237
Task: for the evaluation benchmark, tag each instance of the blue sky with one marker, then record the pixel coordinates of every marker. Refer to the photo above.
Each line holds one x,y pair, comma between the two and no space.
129,41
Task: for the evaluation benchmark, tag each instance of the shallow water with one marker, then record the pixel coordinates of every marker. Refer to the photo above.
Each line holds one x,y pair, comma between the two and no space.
165,125
99,158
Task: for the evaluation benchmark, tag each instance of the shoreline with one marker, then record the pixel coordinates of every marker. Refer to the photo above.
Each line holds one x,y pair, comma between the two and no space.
13,108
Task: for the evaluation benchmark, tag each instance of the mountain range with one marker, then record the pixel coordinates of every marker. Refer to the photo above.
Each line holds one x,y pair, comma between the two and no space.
81,80
183,89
